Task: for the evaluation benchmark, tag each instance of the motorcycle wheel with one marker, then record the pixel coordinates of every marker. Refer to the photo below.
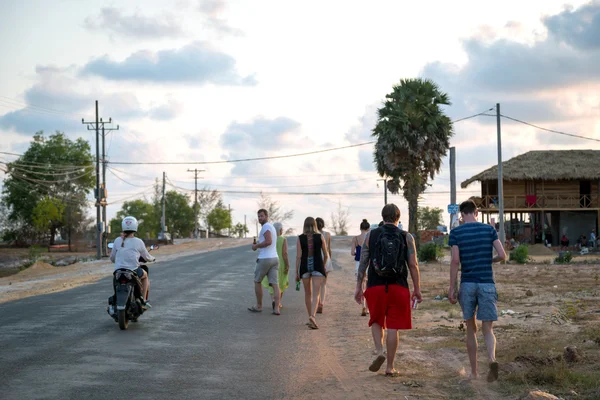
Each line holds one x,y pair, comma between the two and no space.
123,320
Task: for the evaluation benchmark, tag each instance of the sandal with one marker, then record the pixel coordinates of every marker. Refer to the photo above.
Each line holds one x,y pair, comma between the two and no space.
392,374
254,309
313,323
320,309
376,364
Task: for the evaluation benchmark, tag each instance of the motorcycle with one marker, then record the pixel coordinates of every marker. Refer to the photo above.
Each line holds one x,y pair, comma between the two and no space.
127,303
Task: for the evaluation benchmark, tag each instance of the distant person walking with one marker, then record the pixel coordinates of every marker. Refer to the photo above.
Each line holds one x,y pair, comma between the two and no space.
472,246
389,254
284,265
355,249
267,263
328,265
310,267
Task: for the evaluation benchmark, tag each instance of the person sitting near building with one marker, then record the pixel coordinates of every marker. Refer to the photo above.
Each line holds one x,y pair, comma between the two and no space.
592,242
580,242
564,241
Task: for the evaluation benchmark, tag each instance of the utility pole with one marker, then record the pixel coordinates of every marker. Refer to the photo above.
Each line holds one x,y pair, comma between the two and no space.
162,219
104,222
196,229
452,183
100,189
384,190
500,183
96,127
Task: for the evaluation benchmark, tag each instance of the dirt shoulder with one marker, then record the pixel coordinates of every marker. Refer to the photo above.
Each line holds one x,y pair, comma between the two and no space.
42,278
542,309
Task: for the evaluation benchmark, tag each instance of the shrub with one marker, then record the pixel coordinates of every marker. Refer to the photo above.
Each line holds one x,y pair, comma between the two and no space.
520,254
430,252
564,258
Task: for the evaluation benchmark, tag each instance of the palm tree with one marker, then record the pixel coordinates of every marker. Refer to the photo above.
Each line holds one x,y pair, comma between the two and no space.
413,135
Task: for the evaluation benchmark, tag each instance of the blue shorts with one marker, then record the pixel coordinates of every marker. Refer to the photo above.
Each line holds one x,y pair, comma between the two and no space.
480,296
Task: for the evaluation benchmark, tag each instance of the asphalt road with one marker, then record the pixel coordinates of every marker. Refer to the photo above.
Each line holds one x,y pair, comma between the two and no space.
198,340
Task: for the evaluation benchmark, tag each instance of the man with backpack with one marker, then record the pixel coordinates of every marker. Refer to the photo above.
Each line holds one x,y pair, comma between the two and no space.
389,253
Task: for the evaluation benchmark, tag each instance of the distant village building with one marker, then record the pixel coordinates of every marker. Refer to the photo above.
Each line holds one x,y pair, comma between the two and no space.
546,194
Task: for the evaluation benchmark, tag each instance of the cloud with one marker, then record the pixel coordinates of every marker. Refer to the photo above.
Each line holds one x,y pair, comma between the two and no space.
135,25
526,78
195,63
57,101
167,111
260,137
212,11
579,29
28,121
261,133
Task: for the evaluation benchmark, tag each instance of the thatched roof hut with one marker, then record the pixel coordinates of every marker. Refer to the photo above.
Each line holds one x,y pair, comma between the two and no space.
547,165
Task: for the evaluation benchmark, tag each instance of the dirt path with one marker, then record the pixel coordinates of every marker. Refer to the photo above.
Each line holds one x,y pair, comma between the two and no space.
42,278
432,356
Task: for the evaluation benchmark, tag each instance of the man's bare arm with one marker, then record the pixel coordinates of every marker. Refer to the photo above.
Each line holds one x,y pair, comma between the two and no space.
267,242
413,264
500,250
364,261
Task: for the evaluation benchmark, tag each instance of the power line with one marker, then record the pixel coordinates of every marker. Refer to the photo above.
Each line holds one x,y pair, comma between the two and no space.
129,183
472,116
550,130
241,159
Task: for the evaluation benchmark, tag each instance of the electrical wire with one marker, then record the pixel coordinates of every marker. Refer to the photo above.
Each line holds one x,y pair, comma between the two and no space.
123,180
550,130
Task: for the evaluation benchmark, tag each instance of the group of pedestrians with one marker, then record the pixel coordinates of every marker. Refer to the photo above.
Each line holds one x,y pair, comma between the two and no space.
385,256
313,263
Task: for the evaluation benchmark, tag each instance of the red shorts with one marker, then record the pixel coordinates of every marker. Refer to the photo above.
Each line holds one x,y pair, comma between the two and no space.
389,310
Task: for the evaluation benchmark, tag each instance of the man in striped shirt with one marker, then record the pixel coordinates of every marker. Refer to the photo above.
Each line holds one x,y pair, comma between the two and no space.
472,246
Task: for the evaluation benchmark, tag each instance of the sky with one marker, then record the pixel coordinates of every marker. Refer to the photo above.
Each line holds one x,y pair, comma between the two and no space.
213,80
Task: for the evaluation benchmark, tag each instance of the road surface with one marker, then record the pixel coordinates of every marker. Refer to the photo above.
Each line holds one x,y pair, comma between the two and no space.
198,340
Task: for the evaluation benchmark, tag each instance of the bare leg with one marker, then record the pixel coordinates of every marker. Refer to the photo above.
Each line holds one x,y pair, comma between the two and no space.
377,332
472,345
317,282
259,294
490,339
276,295
307,294
323,293
392,347
145,286
490,344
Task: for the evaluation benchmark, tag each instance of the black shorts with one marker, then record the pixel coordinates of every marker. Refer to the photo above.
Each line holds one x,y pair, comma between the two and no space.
140,272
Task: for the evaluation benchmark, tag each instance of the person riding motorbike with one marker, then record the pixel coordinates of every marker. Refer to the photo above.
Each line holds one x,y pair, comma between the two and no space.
126,252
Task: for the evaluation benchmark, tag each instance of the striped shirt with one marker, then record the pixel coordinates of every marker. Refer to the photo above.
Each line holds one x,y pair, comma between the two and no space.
475,244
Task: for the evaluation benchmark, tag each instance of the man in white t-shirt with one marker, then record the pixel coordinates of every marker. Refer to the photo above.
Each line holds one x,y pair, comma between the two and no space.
267,263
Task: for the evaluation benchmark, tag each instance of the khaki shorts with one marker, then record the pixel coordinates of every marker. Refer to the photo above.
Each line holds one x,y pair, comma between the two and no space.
268,267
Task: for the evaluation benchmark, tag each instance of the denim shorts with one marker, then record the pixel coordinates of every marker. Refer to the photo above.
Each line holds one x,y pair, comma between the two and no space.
481,297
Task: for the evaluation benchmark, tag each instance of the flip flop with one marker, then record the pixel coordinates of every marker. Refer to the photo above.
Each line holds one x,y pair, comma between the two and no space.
275,313
313,324
493,374
254,309
392,374
374,367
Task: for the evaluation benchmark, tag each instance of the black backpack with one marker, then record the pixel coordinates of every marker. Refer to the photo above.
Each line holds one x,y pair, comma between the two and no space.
389,256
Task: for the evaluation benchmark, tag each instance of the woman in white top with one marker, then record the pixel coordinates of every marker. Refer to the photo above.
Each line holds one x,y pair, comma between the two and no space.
126,253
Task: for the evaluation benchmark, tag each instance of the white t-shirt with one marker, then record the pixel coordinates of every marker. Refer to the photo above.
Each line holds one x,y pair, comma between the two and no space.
128,256
269,251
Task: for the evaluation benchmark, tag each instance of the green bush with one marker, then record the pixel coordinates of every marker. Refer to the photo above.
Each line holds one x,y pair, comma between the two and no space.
564,258
430,252
35,252
520,254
